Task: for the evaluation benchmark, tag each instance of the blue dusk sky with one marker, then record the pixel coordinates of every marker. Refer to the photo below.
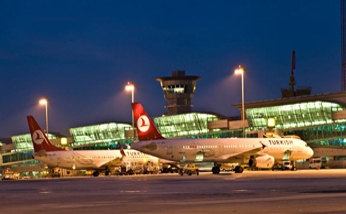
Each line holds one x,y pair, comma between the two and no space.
81,54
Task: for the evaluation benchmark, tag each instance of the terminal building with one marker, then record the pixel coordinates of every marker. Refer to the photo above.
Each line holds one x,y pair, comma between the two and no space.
319,120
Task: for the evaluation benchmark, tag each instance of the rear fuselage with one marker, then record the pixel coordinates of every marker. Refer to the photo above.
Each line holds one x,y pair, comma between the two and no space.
92,159
86,159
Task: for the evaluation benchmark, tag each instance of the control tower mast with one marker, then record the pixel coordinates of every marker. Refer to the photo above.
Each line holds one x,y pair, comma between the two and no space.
178,90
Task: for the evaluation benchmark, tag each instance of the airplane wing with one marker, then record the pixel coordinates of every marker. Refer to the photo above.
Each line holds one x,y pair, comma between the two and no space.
240,155
113,163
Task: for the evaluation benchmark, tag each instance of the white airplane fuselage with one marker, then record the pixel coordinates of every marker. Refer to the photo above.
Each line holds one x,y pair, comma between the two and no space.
220,150
86,159
90,159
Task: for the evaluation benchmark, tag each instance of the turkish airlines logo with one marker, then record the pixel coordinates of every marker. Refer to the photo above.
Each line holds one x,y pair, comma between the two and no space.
143,123
38,137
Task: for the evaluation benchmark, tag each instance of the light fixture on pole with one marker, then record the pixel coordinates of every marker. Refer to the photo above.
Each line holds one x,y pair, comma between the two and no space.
131,87
241,70
45,102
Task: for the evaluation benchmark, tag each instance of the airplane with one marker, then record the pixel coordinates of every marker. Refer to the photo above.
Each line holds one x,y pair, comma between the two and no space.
98,160
252,152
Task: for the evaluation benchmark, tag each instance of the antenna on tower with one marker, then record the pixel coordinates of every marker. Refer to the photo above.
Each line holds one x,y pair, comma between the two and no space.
291,91
293,66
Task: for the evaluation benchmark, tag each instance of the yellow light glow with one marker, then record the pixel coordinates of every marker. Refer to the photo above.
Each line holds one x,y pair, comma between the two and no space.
43,101
239,70
63,141
129,87
271,122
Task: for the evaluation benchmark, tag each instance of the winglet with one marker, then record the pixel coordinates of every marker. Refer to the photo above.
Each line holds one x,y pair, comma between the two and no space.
39,140
122,152
263,146
146,129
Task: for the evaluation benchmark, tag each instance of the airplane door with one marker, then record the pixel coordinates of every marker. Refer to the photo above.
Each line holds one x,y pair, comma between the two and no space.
169,148
287,155
58,159
221,148
199,157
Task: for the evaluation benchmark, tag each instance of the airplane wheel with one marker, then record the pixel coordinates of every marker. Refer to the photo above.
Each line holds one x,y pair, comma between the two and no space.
238,169
215,170
241,169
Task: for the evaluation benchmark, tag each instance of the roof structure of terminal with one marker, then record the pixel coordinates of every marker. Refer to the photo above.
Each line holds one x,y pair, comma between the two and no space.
338,97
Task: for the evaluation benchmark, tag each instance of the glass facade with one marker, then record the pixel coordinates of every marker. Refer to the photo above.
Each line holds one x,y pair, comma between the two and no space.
312,121
184,125
294,115
23,142
325,135
17,157
178,89
100,136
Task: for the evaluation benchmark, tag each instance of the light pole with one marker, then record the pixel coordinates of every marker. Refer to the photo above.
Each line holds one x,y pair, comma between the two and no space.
131,87
45,102
241,70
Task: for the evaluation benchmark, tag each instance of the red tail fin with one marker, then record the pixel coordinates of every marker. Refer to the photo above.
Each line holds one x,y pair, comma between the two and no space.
39,139
146,129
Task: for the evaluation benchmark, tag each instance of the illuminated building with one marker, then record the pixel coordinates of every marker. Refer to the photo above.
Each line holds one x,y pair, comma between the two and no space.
319,120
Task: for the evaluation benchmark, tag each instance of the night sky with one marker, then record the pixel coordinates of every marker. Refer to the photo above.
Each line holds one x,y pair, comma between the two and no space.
81,54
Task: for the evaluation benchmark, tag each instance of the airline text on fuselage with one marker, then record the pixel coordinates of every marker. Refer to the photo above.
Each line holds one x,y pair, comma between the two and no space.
281,142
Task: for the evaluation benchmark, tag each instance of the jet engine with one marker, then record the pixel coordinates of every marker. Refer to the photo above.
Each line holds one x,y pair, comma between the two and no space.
263,161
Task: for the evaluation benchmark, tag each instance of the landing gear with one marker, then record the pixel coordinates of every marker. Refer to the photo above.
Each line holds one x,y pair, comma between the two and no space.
238,169
96,173
107,171
215,169
252,162
294,168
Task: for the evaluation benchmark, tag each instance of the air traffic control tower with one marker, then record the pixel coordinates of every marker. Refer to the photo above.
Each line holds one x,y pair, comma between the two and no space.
178,90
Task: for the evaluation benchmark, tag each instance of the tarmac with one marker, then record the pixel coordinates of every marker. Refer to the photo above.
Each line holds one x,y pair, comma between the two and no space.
303,191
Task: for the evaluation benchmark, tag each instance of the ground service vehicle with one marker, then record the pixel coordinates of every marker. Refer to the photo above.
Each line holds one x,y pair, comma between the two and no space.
189,169
9,175
122,170
315,163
